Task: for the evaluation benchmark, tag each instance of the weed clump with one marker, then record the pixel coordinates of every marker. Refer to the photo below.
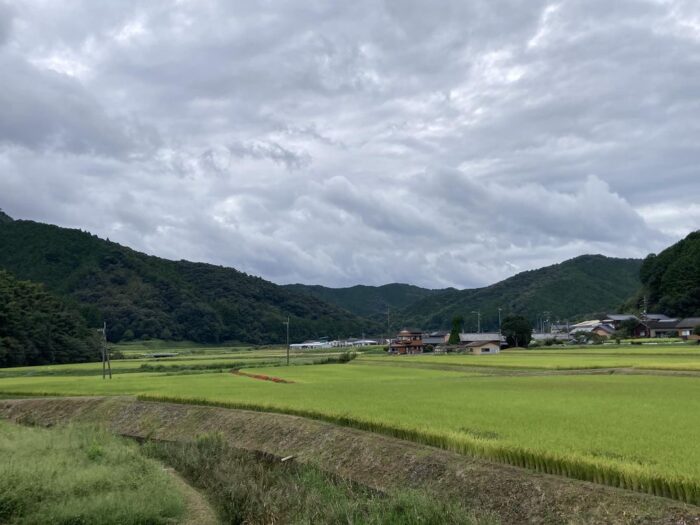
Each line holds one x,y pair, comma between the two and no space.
251,487
80,475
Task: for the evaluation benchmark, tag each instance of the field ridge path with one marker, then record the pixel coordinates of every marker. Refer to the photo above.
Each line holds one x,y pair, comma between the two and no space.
513,494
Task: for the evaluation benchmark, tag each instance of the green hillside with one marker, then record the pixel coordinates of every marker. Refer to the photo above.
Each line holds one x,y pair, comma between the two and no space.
586,284
367,301
38,329
4,217
144,296
671,279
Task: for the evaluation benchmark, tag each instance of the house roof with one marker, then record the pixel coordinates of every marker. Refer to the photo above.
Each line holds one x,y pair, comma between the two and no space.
657,317
620,317
471,337
688,322
655,324
605,327
586,324
477,344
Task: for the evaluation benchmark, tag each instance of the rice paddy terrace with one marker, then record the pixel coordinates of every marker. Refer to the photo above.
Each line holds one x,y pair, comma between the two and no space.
623,416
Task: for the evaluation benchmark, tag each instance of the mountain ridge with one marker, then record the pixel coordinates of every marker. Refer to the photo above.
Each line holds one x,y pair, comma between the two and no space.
671,279
144,296
604,283
366,300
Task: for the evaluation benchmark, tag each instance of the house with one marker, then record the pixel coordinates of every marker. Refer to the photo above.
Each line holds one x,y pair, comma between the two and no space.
465,338
584,326
662,327
686,327
483,347
310,345
436,338
616,320
365,342
407,342
554,336
604,330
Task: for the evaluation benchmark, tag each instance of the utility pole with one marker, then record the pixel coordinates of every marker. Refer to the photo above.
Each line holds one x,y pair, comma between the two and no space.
287,323
106,364
645,319
478,320
546,322
499,321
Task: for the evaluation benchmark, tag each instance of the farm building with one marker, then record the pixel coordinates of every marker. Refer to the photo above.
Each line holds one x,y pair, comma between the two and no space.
466,338
662,327
602,329
407,342
436,338
616,320
685,327
483,347
306,345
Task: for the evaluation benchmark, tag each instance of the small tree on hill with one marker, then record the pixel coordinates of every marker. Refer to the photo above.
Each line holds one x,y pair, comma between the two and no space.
517,330
457,322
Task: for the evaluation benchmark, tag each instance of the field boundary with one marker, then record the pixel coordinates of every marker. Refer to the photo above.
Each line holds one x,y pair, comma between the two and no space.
385,463
602,471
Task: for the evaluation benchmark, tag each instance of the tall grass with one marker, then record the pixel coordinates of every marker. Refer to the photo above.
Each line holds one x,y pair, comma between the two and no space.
606,471
254,488
80,475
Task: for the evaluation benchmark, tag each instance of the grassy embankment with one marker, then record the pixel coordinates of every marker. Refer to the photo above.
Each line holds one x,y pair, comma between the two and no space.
252,488
81,475
603,428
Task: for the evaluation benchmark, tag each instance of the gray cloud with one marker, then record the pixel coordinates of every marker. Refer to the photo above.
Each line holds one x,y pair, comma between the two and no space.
356,142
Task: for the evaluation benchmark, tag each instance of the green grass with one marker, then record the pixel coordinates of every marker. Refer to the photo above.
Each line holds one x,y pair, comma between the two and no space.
75,475
682,358
633,431
209,361
654,341
254,488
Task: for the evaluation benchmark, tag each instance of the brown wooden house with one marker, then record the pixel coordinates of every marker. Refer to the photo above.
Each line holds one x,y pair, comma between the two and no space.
407,342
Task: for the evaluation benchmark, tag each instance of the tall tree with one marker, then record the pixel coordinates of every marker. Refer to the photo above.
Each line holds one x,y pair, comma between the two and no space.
517,330
457,322
36,328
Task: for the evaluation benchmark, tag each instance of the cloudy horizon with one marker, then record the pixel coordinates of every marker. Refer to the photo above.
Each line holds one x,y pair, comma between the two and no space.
438,144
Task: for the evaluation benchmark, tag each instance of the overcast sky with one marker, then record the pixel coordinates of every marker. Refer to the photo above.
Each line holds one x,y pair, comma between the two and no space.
440,143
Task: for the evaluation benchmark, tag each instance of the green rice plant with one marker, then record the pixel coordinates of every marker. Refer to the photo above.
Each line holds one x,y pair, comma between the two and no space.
634,431
608,472
80,474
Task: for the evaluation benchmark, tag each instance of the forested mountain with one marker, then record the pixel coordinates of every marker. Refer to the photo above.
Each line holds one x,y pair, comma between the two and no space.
368,301
671,279
38,329
4,217
583,285
145,296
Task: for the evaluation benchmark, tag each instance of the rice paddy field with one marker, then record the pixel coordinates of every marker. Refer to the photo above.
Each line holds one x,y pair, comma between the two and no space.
626,416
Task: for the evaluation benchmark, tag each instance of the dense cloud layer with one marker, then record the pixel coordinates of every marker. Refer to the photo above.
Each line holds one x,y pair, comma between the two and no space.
450,143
